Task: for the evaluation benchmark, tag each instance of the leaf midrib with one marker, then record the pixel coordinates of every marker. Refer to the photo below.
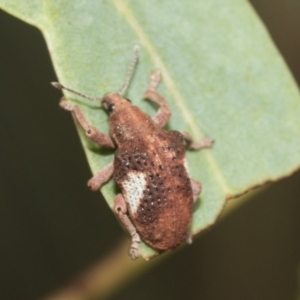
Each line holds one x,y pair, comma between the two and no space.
170,83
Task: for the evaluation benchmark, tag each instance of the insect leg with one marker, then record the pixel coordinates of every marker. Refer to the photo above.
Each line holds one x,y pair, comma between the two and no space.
101,177
196,187
120,208
91,132
164,113
205,142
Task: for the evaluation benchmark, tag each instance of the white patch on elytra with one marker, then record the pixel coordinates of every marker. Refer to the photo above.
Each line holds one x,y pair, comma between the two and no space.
134,188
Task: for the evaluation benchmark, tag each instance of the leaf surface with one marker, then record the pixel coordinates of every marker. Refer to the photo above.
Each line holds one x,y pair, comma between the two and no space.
222,76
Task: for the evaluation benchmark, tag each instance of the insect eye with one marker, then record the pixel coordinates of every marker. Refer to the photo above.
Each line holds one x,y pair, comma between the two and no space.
110,108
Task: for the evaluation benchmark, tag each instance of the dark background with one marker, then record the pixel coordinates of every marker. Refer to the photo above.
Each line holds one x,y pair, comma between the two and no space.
52,227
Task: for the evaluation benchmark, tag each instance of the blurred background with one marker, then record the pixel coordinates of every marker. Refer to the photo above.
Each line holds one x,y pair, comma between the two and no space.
52,227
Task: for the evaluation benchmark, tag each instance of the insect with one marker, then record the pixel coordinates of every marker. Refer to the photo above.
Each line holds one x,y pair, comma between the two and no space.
156,196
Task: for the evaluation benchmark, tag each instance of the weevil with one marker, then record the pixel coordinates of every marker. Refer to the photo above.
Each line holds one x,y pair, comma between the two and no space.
156,196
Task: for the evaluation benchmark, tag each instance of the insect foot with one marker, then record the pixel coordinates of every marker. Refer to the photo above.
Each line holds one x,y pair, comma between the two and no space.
120,207
155,78
156,193
134,247
65,104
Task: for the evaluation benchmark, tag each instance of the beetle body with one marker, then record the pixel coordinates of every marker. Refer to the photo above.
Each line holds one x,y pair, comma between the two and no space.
150,169
156,192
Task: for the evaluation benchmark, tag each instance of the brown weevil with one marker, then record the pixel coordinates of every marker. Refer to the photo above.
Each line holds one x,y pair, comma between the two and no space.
157,194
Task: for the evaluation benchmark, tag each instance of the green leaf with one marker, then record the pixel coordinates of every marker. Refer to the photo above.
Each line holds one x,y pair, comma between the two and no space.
221,73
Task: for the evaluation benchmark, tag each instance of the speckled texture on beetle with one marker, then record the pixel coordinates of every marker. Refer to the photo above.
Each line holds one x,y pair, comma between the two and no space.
156,196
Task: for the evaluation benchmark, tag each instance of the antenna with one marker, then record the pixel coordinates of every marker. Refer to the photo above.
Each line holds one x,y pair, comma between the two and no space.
130,70
124,87
62,87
